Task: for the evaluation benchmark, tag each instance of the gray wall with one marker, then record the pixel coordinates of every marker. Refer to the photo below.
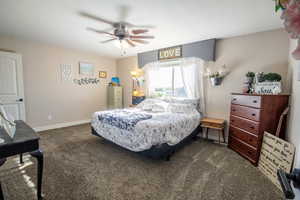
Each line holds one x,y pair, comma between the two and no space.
202,49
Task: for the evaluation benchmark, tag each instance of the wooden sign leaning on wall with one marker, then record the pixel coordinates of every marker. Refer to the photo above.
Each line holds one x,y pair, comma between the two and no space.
275,154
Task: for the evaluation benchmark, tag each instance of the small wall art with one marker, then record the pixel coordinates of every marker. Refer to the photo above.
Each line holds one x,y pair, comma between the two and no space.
65,72
102,74
86,69
86,81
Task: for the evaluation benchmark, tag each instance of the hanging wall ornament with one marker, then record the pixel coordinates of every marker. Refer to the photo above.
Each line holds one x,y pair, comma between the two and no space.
86,81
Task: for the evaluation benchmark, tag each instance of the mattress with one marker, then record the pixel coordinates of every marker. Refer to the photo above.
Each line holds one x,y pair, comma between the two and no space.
162,127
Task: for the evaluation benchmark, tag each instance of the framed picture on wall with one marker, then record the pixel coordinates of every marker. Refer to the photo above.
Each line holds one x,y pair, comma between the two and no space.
102,74
86,69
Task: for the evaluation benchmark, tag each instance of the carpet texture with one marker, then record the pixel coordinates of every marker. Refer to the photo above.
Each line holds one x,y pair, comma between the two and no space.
81,166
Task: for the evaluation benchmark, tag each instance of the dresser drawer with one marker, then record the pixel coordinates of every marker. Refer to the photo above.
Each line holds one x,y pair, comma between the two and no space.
247,125
244,136
246,112
246,100
244,149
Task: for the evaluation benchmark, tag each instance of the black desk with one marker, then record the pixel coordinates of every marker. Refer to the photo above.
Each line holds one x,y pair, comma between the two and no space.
25,141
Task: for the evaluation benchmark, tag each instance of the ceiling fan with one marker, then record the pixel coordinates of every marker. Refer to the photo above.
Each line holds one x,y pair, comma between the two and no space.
122,31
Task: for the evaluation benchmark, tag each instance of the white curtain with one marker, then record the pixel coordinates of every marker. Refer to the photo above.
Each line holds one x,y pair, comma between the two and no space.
148,69
192,74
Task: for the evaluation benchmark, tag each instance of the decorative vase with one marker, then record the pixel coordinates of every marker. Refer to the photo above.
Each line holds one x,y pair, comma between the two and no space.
215,81
249,80
259,77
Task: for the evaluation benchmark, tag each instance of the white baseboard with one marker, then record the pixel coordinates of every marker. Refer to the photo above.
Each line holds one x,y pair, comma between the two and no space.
61,125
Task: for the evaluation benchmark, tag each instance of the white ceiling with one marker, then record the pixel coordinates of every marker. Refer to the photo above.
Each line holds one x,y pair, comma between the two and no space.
177,21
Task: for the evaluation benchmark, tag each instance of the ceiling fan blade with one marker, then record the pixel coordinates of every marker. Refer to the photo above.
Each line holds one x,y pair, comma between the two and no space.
140,41
139,26
130,43
106,41
139,31
99,31
141,37
84,14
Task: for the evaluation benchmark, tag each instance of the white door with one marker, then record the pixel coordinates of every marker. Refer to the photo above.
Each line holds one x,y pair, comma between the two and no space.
11,85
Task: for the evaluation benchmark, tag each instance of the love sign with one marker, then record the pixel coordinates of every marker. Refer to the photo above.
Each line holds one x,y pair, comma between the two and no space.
170,53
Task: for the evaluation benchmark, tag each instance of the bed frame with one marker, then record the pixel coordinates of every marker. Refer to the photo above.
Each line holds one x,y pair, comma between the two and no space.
163,151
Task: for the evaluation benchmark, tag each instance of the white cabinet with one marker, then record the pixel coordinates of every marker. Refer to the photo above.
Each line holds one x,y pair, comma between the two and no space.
115,97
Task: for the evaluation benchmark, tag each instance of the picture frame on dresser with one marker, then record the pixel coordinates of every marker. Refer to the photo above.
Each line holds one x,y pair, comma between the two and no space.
250,116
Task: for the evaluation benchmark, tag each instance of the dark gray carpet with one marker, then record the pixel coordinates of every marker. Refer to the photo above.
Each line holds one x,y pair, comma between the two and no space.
81,166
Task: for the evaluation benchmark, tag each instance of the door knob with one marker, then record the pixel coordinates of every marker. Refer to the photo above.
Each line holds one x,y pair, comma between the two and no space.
20,100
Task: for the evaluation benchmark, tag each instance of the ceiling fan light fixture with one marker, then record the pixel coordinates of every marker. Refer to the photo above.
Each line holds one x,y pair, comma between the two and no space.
121,44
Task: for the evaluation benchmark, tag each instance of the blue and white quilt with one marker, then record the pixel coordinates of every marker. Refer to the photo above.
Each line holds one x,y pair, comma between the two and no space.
148,124
123,119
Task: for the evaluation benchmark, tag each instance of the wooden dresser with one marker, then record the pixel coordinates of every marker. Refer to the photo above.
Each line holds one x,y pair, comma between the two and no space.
250,116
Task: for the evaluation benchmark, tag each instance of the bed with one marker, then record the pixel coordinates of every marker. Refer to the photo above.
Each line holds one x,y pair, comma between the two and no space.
155,128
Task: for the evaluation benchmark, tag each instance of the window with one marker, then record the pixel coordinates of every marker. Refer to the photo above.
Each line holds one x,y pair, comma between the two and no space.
167,81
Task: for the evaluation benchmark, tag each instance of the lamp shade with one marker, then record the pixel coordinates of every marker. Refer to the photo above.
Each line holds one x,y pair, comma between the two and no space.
137,73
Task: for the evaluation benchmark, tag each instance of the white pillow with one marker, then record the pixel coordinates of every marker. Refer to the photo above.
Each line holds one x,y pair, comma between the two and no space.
147,102
181,108
155,105
160,107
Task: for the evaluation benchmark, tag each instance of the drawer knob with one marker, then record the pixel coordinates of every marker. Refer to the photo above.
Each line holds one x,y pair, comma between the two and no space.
233,110
252,127
253,114
254,101
234,99
250,140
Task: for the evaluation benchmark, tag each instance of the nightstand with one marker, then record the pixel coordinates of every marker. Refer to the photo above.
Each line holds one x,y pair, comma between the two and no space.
216,124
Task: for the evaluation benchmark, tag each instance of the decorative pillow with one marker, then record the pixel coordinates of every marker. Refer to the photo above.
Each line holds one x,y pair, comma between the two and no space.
147,103
180,108
155,105
187,101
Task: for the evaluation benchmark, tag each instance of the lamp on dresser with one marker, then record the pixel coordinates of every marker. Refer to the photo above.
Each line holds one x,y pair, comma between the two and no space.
137,86
251,115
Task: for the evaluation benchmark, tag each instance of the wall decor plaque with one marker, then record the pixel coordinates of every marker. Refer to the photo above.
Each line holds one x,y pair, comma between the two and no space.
268,88
102,74
170,53
275,154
